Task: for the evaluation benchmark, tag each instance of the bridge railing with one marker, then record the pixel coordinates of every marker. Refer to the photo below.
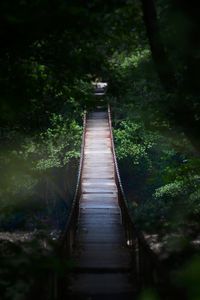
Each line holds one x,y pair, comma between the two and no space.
68,235
58,283
147,267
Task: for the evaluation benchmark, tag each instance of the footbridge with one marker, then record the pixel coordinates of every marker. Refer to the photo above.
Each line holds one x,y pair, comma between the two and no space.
111,258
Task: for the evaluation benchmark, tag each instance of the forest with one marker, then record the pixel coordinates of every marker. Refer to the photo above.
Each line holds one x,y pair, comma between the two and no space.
148,51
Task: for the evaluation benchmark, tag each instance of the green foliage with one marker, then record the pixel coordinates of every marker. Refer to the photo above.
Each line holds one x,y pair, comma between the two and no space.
133,141
57,145
188,278
29,167
27,268
48,63
160,173
149,294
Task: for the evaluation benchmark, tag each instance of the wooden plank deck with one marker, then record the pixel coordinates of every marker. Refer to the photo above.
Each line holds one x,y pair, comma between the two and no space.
102,258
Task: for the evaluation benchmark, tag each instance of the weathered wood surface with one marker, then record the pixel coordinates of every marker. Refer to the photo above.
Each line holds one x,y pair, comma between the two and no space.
102,258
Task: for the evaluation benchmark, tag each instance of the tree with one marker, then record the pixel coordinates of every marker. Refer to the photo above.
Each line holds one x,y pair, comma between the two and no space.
159,54
183,109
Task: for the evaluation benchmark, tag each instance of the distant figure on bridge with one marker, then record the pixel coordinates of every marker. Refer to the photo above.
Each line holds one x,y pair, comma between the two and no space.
100,88
101,85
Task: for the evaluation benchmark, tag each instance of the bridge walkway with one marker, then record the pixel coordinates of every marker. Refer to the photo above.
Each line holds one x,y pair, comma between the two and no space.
102,258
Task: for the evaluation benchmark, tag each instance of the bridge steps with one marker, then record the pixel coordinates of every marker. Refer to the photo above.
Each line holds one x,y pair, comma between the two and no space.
102,259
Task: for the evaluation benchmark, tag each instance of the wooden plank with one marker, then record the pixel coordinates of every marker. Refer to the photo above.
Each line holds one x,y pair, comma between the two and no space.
97,133
97,197
100,201
93,258
98,176
99,151
98,159
95,205
97,146
102,284
102,134
100,168
103,238
98,171
99,156
105,220
99,181
95,189
98,140
98,128
97,115
100,212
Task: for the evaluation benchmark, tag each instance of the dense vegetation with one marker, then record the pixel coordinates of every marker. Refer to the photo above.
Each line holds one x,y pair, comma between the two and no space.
149,53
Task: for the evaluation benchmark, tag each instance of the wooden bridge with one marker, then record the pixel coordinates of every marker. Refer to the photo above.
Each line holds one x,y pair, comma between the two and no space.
101,252
111,258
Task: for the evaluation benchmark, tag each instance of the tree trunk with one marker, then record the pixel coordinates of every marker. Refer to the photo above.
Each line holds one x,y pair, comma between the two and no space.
159,55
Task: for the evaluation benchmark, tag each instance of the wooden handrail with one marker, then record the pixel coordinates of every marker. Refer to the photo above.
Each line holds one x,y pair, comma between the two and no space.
67,238
146,262
126,214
